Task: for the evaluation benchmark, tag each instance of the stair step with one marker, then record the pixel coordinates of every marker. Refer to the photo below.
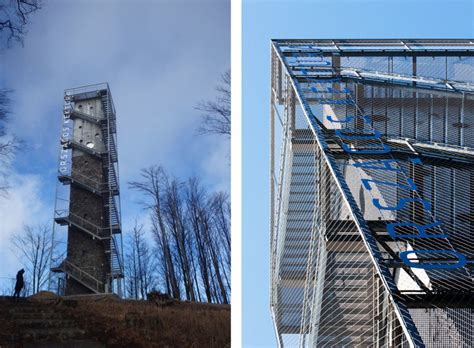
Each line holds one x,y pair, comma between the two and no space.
31,310
15,311
57,333
33,317
19,301
65,344
345,324
45,323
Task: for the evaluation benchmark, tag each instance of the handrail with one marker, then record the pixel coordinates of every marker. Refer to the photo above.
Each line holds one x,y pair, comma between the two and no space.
113,211
360,74
76,219
88,88
466,150
88,181
417,78
79,274
84,222
118,257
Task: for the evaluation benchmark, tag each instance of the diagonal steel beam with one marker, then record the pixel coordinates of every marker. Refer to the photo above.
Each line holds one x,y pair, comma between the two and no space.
370,242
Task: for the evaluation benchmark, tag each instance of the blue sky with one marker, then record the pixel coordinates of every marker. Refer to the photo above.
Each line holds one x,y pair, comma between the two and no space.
160,57
264,20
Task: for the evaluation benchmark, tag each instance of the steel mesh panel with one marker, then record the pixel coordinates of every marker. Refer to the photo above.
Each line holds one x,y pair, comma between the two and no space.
345,283
447,327
326,286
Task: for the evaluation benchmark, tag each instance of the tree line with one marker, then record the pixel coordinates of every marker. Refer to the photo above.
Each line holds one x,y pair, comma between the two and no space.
190,228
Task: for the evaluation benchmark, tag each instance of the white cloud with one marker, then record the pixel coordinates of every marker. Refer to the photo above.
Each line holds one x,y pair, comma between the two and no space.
22,206
216,165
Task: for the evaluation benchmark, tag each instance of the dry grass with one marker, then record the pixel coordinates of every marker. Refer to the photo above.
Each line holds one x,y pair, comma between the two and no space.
126,323
147,324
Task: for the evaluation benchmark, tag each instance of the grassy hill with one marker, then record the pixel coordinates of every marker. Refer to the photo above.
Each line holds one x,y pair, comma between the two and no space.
45,320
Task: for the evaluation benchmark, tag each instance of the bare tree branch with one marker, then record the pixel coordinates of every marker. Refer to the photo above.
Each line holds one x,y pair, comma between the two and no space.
153,185
216,114
191,231
140,265
14,17
33,245
9,144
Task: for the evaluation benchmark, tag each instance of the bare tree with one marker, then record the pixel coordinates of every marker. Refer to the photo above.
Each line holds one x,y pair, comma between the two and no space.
216,114
33,245
9,144
14,17
208,239
175,219
140,265
220,208
152,185
197,217
191,232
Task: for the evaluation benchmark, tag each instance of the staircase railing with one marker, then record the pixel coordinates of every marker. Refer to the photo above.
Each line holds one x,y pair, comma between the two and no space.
89,227
82,276
91,183
116,263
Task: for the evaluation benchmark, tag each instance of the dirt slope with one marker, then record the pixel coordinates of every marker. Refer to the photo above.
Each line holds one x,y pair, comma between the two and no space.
47,321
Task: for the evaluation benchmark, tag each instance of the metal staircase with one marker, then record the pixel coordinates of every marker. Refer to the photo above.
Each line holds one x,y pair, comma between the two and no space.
109,129
68,218
116,264
114,220
346,306
90,184
81,276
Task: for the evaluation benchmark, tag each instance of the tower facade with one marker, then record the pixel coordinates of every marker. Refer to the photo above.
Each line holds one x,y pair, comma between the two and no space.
89,261
372,193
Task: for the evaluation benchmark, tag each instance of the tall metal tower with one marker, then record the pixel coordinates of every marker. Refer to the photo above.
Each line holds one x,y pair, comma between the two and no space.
87,201
372,193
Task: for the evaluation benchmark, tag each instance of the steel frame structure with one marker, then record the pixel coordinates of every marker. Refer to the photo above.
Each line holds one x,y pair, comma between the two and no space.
87,208
371,233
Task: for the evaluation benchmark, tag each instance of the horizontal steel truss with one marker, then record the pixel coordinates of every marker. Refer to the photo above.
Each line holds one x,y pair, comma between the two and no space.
89,184
416,84
375,47
68,218
403,148
371,243
80,276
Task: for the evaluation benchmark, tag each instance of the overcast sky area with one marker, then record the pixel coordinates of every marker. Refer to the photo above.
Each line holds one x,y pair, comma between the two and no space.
160,57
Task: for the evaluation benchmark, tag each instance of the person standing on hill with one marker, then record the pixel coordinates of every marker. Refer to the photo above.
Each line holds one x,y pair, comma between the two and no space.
19,283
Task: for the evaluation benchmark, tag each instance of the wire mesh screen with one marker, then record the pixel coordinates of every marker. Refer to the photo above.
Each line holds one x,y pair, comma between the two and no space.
373,231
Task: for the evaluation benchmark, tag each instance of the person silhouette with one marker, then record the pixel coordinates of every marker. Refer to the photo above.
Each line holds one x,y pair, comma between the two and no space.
19,283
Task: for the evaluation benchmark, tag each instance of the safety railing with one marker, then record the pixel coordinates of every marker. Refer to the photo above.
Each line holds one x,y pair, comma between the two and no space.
83,277
90,183
89,227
